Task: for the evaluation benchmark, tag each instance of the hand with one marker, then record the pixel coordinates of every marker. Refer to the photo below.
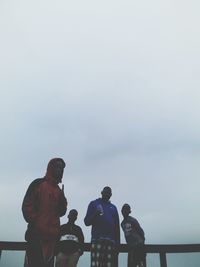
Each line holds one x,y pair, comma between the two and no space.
80,252
97,212
116,250
99,209
62,188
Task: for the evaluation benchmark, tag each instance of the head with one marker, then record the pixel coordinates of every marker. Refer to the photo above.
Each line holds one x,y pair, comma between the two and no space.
106,193
55,169
72,216
126,210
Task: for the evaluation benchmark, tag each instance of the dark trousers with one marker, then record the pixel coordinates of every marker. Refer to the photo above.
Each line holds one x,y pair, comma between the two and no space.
34,256
137,256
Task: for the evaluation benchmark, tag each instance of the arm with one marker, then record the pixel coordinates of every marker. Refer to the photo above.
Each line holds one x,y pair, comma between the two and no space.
91,214
139,229
81,240
30,203
117,228
62,204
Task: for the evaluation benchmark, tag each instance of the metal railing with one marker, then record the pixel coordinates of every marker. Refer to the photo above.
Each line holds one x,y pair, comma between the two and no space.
162,250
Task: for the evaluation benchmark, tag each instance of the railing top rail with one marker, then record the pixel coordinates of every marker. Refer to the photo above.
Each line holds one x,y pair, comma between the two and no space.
150,248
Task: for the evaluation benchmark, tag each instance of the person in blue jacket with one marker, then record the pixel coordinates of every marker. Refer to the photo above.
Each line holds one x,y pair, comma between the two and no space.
103,216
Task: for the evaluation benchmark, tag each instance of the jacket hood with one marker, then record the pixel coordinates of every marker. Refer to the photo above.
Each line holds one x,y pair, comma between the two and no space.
50,167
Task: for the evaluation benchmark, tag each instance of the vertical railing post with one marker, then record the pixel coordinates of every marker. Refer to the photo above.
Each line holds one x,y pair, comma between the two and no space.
163,259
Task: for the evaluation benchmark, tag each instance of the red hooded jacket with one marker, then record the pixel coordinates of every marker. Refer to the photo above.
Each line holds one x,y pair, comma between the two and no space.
43,205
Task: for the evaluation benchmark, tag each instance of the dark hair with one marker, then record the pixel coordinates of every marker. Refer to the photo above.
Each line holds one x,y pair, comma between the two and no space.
107,188
73,211
126,206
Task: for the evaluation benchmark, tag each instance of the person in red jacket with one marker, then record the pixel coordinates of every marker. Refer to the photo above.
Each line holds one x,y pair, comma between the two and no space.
43,205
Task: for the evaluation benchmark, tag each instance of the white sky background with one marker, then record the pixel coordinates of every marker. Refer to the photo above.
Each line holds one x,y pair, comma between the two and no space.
113,88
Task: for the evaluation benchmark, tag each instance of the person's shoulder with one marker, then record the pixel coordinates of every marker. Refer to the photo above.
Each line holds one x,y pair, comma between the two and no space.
132,219
78,227
33,186
64,225
34,183
95,201
112,205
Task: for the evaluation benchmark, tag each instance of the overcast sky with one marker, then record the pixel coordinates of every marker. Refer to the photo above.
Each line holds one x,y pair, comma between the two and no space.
113,88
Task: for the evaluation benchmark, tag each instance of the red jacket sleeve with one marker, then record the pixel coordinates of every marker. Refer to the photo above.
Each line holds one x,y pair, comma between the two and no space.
30,202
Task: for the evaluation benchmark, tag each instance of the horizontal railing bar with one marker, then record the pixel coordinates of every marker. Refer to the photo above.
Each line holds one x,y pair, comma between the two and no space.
149,248
173,248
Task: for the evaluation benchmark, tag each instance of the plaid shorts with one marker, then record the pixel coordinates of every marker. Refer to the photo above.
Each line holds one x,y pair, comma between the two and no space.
103,253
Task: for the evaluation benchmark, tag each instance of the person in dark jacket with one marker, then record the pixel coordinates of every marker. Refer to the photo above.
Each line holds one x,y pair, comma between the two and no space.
70,247
103,216
135,238
43,205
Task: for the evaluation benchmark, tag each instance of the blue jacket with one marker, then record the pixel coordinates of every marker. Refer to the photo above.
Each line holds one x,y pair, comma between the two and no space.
104,226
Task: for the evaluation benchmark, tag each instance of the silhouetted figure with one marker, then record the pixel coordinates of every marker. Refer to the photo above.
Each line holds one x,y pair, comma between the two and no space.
104,219
70,248
134,236
43,205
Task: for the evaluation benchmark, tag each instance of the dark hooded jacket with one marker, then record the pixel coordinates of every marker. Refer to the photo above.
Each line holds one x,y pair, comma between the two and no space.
43,205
